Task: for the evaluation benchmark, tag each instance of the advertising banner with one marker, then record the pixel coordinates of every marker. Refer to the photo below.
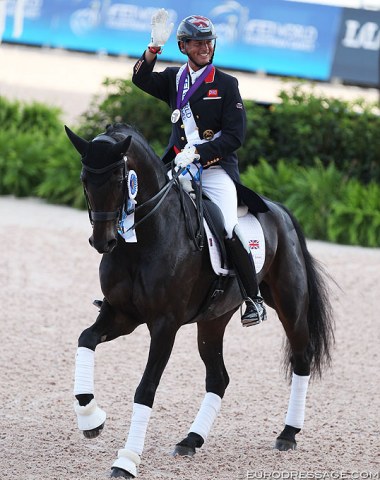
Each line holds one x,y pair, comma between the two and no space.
357,57
275,36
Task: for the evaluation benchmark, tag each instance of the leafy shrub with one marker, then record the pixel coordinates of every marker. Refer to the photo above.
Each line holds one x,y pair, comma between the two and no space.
328,205
41,118
25,117
22,159
61,183
274,182
28,131
314,192
306,127
355,217
124,102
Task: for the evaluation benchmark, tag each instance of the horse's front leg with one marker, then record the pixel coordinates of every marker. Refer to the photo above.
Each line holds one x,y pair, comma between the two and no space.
90,416
162,340
210,346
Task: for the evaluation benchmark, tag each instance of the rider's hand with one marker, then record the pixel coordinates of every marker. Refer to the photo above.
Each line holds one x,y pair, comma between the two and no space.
186,156
161,30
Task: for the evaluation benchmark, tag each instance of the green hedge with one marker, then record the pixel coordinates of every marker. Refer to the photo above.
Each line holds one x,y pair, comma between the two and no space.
302,128
329,205
305,127
320,157
36,157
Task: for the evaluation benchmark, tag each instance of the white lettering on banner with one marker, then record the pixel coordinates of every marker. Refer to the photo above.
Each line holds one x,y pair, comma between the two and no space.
132,17
233,24
236,17
81,21
366,36
31,8
117,17
291,36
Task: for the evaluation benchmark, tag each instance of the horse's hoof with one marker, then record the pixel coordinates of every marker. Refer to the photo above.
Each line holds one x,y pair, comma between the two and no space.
183,451
95,432
283,445
120,473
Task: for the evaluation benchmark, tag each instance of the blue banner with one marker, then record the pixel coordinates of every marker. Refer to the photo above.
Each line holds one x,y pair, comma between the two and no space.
357,57
275,36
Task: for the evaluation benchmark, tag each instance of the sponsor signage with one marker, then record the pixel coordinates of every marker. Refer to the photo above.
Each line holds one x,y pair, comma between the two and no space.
273,36
357,57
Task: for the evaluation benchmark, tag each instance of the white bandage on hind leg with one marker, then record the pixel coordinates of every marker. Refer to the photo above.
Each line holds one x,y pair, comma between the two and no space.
296,409
84,371
137,430
206,415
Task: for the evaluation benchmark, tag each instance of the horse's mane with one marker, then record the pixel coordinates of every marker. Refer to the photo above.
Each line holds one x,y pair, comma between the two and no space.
119,131
139,150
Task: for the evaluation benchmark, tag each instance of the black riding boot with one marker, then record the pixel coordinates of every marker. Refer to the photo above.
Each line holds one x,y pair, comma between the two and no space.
245,269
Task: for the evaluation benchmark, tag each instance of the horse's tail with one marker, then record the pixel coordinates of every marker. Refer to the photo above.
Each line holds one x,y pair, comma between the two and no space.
320,315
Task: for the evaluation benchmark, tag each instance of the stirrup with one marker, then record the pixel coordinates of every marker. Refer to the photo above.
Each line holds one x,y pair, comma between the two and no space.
255,312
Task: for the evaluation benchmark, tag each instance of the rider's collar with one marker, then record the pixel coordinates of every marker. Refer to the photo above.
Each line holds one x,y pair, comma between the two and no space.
195,74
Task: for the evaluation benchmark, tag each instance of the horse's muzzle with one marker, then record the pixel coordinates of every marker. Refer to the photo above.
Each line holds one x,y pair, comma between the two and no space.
103,245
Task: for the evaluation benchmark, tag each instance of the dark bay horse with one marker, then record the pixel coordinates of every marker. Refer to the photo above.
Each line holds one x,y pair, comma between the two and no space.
163,280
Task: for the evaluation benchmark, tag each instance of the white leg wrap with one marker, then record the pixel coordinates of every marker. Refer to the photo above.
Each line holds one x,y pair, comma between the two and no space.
90,416
129,457
128,461
296,408
206,415
137,430
84,371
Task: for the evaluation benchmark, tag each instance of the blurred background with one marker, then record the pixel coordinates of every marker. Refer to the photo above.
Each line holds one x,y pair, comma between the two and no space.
337,39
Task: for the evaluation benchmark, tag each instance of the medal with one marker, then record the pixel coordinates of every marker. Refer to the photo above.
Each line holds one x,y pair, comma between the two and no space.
183,98
176,115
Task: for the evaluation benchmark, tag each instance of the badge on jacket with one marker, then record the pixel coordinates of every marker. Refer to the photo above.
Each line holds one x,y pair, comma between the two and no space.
208,134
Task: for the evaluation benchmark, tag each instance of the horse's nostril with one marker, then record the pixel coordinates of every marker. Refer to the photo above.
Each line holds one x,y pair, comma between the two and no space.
91,241
112,244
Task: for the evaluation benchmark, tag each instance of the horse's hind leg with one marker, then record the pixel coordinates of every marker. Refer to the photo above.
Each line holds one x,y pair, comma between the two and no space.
291,301
210,345
90,416
299,356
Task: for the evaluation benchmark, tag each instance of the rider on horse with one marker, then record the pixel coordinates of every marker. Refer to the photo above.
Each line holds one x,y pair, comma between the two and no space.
208,126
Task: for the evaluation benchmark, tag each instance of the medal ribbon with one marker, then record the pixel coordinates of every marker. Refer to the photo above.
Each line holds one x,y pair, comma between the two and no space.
182,102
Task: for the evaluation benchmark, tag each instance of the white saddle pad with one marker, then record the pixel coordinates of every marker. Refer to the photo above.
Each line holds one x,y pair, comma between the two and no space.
254,235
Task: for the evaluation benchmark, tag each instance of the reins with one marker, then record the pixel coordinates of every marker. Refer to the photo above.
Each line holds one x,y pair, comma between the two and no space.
164,192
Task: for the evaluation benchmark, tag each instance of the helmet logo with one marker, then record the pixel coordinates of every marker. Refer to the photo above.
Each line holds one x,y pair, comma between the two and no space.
202,23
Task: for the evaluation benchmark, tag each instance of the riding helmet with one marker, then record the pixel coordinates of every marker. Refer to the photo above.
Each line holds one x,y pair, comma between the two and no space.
196,27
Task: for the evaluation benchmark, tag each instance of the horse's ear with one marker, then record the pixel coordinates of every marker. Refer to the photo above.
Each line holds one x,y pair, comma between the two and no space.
79,143
120,148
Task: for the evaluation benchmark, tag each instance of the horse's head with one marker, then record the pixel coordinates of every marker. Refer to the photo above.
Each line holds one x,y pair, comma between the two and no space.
104,182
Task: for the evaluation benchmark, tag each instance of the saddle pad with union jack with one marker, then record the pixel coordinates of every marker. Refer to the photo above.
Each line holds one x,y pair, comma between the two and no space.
252,232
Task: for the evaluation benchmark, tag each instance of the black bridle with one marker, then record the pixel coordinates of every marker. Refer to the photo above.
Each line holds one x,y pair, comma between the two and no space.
116,215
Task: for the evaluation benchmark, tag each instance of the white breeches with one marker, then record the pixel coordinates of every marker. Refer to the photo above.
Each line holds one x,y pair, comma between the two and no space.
220,188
